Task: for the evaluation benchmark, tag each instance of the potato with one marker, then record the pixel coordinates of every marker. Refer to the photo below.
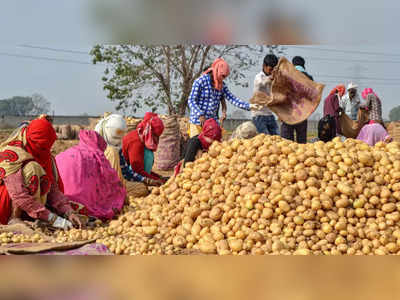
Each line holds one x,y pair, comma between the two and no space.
207,247
263,196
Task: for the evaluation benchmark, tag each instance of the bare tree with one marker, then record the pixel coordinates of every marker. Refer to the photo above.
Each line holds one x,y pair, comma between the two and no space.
40,105
156,76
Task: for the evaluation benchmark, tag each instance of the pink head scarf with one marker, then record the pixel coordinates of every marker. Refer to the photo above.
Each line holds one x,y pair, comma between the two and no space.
220,70
368,91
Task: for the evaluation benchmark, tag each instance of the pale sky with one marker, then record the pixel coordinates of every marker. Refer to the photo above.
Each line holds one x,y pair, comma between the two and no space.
74,88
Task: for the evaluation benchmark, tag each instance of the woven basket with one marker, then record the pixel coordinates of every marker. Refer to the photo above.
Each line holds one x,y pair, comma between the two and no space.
136,189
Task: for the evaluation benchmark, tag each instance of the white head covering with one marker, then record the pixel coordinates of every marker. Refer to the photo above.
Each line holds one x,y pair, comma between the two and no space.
112,128
352,86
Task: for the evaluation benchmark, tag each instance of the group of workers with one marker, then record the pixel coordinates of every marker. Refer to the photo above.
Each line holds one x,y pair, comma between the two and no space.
93,177
90,179
348,101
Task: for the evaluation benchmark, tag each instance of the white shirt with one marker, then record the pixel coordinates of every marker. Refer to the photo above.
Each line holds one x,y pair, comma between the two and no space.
262,83
350,106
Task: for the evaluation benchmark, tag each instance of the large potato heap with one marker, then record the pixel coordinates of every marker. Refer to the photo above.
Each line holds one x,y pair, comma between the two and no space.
268,196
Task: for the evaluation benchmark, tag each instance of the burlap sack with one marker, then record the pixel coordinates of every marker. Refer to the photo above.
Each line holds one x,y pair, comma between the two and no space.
65,132
136,189
350,128
184,128
394,131
294,97
168,151
75,129
246,130
33,248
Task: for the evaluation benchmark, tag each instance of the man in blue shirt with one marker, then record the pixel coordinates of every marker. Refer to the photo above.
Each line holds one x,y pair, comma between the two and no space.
206,95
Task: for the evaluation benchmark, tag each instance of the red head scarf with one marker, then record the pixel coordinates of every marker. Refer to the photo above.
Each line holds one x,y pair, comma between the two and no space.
220,70
40,137
211,130
368,91
340,89
150,129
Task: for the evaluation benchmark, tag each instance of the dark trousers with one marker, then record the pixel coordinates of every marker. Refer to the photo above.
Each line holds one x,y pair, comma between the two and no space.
266,124
287,132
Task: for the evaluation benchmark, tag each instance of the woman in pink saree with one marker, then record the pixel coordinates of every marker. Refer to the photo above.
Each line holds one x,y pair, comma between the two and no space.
89,178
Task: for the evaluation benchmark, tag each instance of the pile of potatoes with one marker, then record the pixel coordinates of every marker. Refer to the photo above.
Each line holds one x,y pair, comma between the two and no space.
267,195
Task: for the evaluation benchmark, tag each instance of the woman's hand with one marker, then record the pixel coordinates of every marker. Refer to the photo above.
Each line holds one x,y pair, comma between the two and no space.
75,220
152,182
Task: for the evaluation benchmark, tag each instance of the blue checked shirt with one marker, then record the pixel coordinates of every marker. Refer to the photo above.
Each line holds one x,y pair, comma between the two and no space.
204,100
127,171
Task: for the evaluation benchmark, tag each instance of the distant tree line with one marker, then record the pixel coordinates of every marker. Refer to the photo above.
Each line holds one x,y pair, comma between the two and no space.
394,114
23,106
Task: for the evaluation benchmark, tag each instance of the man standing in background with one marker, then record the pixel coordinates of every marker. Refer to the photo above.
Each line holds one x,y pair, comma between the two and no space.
350,102
263,118
287,131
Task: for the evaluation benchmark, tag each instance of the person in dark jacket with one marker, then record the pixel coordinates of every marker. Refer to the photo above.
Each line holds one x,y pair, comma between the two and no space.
287,131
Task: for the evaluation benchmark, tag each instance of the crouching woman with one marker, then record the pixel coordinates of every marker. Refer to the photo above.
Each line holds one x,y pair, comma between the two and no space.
89,178
30,185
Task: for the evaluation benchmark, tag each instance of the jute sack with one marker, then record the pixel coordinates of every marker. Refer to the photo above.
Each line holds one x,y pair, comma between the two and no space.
75,129
65,132
394,131
136,189
247,130
168,152
351,128
32,248
294,97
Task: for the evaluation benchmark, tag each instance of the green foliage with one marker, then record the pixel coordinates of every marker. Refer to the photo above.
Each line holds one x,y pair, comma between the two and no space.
394,114
162,76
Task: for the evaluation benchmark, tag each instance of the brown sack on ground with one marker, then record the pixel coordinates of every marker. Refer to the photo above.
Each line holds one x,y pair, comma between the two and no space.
65,132
394,131
75,129
294,97
136,189
167,155
33,248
